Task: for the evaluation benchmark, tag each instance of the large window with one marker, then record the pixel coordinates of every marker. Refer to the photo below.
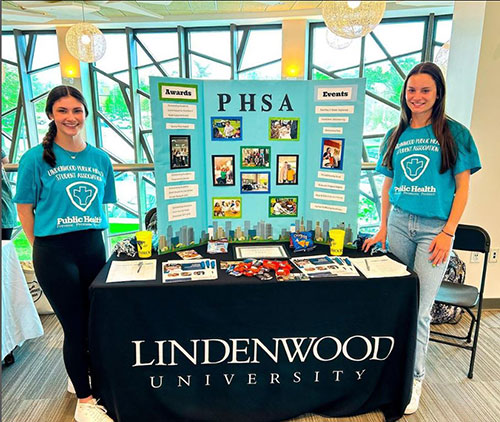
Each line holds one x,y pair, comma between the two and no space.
383,57
29,60
259,53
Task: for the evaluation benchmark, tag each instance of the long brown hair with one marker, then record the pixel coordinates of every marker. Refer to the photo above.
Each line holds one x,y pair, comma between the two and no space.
440,125
48,140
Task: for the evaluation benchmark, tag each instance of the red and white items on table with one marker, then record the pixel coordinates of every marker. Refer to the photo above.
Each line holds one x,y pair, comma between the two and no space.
260,268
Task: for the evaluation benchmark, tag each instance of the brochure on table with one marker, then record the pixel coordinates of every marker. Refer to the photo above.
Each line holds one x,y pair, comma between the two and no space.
251,158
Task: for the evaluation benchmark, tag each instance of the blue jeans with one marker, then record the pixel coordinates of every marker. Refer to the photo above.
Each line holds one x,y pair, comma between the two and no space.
409,237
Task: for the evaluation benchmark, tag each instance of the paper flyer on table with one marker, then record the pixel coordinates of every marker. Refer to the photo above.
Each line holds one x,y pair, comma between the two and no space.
136,270
379,267
192,270
325,266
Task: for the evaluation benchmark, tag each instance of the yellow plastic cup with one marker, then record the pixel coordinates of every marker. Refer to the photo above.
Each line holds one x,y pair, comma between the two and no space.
144,243
336,241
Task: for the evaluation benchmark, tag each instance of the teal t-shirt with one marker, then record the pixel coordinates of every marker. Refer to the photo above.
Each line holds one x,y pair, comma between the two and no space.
417,186
69,196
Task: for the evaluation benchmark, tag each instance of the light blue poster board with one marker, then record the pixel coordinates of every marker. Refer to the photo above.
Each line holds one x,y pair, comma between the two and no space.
251,158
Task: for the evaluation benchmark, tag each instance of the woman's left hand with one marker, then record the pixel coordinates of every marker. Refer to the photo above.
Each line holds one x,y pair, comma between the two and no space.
440,248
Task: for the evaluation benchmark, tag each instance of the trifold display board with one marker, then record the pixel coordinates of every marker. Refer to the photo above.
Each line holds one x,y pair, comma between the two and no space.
246,160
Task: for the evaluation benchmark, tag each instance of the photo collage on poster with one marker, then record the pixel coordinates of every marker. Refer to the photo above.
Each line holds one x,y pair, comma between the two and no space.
259,158
253,162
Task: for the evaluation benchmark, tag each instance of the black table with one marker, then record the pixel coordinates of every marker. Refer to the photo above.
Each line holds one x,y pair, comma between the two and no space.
241,349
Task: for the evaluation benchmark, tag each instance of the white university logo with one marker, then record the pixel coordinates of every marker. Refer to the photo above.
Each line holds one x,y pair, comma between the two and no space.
414,166
81,194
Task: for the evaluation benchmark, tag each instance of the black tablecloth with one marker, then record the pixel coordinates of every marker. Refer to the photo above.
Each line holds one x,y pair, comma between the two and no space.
241,349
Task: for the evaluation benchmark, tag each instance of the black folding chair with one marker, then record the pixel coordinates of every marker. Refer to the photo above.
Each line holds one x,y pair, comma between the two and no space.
474,239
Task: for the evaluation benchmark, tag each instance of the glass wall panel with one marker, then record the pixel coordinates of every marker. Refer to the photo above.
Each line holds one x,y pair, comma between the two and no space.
9,48
402,37
271,71
443,30
115,58
368,217
45,80
262,46
383,80
207,69
379,117
10,92
46,51
144,74
330,58
145,113
211,43
114,143
407,63
161,45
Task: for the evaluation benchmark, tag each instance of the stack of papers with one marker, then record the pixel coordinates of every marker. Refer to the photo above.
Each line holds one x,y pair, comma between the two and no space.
137,270
380,266
325,266
192,270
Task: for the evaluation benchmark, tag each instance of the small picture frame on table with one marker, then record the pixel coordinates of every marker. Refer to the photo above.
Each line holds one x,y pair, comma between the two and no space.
260,251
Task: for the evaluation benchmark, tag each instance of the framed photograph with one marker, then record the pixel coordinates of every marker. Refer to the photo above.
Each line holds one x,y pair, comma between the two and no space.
226,128
227,207
180,151
332,153
283,206
255,157
284,129
287,169
223,170
255,181
260,251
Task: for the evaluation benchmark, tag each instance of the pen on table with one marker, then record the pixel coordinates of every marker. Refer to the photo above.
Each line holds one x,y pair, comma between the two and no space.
348,262
367,265
140,266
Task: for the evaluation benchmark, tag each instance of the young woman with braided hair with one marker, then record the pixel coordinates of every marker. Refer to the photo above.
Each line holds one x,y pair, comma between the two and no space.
427,161
62,185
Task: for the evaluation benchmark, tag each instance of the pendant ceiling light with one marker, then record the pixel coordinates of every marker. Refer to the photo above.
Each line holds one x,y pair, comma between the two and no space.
352,19
441,58
85,41
337,42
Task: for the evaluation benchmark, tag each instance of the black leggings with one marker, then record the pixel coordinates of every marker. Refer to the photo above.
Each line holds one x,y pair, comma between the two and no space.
65,266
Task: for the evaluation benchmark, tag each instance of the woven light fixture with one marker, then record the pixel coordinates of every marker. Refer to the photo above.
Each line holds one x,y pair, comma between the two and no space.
352,19
85,41
337,42
441,58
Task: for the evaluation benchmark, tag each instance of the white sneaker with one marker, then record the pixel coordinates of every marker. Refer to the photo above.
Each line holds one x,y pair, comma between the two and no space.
415,397
91,412
71,388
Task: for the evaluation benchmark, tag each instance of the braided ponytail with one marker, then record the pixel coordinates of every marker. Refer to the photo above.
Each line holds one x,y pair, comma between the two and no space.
48,144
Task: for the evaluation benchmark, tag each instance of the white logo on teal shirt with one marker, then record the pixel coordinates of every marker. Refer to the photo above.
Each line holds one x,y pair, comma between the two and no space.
81,194
414,166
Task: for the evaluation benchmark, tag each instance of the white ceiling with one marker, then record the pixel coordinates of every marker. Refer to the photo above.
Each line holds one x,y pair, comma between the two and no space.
141,13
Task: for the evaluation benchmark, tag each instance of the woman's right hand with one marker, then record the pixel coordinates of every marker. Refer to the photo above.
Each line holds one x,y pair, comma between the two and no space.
380,236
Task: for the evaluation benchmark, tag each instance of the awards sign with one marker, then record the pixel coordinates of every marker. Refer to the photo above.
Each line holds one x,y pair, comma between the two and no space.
251,158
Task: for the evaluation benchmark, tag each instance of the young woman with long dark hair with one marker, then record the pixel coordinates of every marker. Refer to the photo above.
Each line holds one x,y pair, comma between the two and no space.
427,161
62,185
